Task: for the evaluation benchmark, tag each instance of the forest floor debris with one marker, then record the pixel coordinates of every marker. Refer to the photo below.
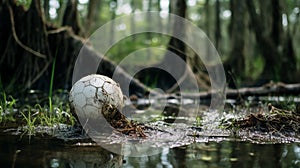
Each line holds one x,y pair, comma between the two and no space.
277,120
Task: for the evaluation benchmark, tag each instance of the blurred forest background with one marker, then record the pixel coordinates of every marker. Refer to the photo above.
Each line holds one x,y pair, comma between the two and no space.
258,40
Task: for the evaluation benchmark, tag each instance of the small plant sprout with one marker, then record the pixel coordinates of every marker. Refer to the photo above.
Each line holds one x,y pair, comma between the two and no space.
7,107
59,114
198,121
30,121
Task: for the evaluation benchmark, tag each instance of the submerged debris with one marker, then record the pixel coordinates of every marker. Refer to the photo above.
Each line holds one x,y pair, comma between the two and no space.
275,121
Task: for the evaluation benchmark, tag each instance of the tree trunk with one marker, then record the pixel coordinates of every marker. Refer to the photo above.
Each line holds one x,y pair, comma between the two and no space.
28,45
275,44
46,9
284,40
70,17
277,22
207,18
132,20
159,20
236,62
162,78
149,25
92,17
24,49
113,16
218,26
265,42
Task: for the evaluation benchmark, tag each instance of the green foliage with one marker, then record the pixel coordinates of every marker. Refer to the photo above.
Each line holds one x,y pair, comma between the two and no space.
198,121
30,121
60,114
286,103
25,3
51,84
42,116
126,46
254,67
47,115
55,112
7,106
151,81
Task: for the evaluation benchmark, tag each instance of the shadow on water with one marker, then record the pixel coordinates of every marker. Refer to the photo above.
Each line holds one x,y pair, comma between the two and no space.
47,152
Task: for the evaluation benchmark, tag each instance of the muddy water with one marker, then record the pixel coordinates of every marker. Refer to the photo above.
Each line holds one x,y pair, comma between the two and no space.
181,140
47,152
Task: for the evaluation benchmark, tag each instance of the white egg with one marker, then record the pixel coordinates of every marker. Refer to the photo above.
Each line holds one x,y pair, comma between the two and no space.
91,92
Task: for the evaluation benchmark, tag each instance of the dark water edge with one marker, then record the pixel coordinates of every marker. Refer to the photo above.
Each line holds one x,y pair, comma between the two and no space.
44,151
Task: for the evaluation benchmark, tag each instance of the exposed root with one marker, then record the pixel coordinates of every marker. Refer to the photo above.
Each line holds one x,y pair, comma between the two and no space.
36,53
122,124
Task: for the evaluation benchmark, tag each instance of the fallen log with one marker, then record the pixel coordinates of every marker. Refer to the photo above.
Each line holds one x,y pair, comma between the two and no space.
270,89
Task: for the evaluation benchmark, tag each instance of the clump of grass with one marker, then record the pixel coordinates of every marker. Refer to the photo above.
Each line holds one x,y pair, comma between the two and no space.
7,106
55,111
38,115
51,114
30,121
54,114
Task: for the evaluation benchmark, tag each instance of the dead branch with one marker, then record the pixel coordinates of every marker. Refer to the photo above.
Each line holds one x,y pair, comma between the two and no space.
265,90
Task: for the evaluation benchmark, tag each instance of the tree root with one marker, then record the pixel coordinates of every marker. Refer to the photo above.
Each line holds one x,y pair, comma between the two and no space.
36,53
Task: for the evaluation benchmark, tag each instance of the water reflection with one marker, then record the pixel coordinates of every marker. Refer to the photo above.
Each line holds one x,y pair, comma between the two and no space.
45,152
223,154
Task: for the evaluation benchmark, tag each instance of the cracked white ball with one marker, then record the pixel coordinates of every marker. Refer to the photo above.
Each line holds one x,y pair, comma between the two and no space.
90,93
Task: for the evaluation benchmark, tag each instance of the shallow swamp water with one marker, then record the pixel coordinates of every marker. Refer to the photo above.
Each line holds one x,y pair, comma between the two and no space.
172,141
49,153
